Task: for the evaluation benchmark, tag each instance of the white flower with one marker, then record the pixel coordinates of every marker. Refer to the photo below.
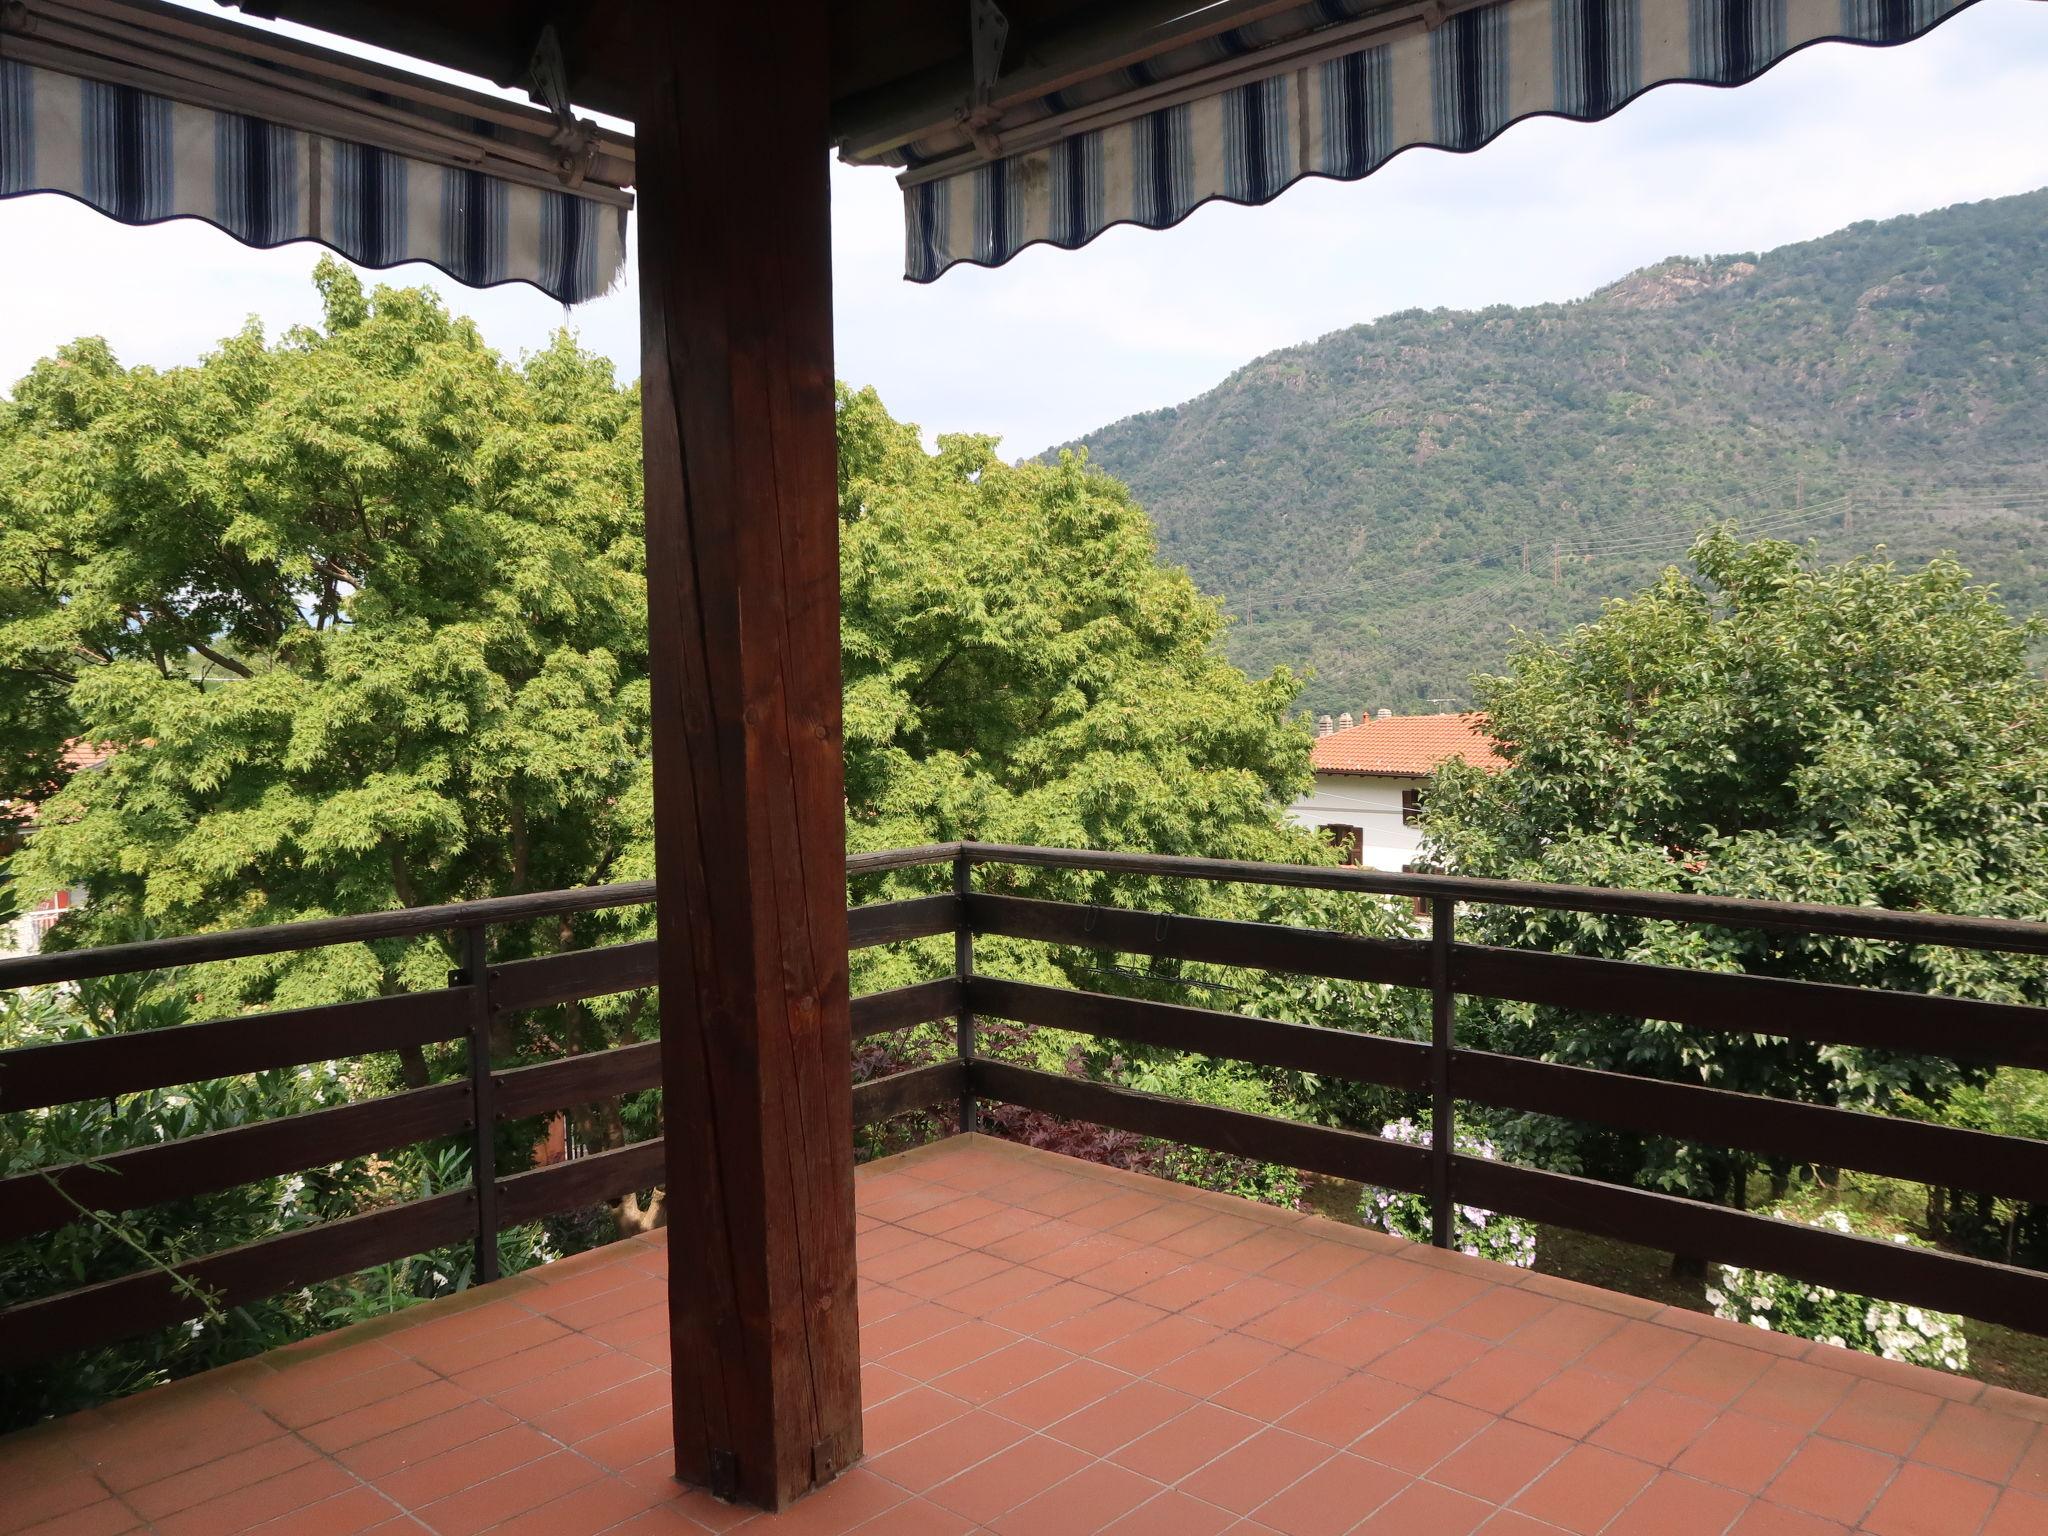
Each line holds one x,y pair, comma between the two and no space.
1761,1322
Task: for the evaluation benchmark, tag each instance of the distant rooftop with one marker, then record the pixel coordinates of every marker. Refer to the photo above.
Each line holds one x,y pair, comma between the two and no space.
1405,746
80,756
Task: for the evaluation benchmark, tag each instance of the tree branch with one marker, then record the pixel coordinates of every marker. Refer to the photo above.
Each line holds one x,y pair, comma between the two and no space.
401,877
225,663
522,844
916,693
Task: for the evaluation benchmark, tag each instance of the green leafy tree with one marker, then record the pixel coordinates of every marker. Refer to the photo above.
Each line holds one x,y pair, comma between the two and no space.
362,612
1764,727
1020,668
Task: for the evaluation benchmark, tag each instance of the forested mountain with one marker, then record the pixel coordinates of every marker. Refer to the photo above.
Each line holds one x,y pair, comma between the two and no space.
1385,504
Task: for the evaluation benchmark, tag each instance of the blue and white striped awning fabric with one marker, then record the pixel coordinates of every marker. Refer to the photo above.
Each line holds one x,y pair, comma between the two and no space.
1342,113
143,158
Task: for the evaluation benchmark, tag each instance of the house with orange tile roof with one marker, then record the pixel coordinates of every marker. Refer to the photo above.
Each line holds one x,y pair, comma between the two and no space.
1371,777
22,934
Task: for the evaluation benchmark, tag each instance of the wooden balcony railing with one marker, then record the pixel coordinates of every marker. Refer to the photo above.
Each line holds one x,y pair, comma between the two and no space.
1979,1032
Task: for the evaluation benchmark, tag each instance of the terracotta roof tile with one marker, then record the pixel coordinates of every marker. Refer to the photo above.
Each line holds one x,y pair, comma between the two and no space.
80,754
1405,746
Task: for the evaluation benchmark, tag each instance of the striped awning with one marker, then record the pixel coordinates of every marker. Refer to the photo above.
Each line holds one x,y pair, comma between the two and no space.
1336,88
149,112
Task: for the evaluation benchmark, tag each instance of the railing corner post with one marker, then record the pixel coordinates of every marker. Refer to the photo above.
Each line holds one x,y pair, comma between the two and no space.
1443,1015
963,973
483,1162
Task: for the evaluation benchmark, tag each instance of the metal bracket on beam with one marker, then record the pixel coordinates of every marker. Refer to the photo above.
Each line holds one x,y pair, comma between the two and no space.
989,30
988,33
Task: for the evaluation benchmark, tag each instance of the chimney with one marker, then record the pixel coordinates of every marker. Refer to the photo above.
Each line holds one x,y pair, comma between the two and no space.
1384,714
1344,721
1324,726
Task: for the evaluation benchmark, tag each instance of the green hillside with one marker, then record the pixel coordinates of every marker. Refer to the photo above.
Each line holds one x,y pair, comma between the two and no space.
1386,504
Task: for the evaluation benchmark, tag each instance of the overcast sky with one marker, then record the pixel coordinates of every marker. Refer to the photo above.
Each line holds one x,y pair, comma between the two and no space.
1057,343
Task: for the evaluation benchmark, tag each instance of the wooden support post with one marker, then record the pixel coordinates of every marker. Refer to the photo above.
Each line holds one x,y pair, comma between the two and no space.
1443,1015
963,970
483,1160
750,839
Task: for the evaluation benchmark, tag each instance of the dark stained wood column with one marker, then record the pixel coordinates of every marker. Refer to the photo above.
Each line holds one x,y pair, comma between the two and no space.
749,808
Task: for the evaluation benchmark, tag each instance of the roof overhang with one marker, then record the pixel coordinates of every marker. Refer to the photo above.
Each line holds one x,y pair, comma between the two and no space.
1012,122
1143,116
148,111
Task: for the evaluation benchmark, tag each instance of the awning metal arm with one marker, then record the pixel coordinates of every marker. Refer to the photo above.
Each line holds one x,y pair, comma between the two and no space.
547,78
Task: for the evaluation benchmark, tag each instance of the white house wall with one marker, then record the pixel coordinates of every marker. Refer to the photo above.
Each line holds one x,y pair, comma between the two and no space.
1370,803
23,934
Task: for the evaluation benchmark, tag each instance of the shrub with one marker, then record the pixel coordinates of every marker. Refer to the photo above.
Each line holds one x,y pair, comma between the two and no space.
1228,1085
1892,1329
1245,1177
1475,1231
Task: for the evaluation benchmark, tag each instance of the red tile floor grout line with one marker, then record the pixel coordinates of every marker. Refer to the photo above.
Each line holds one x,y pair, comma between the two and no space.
1052,1346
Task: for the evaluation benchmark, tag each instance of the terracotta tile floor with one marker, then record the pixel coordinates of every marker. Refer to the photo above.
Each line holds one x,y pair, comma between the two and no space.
1057,1348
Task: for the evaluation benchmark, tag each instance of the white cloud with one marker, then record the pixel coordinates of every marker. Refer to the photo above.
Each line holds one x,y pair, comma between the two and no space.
1057,343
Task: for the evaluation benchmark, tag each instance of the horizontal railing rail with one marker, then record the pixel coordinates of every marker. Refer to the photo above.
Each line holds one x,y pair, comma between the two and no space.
1958,1028
1253,946
313,933
1266,1138
404,922
216,1160
2013,935
1233,1036
44,1076
38,1076
1441,967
